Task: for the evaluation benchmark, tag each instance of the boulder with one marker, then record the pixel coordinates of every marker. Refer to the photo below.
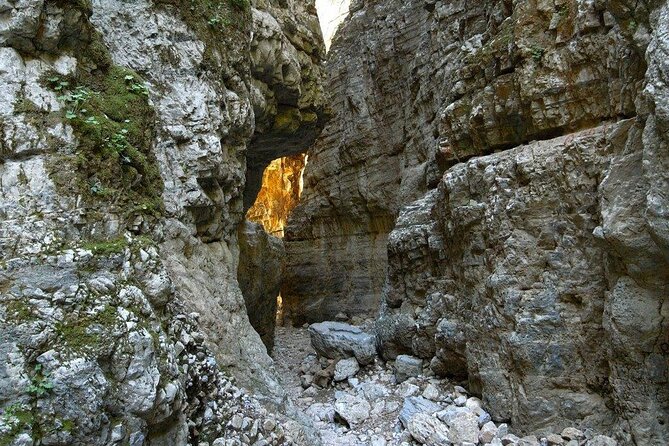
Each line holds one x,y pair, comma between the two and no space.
414,405
352,409
602,440
464,427
428,430
337,340
407,367
346,368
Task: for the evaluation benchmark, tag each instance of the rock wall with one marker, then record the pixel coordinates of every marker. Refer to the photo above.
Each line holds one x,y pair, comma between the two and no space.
546,233
539,273
261,263
419,86
370,159
125,130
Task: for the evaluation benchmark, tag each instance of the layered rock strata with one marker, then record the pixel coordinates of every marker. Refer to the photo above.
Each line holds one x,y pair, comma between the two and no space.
540,273
419,86
537,267
279,195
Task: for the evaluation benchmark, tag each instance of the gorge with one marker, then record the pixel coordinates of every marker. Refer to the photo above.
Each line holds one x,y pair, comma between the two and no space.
435,222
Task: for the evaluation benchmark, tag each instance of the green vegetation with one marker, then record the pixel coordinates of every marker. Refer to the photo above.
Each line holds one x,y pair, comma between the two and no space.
18,311
537,53
108,247
113,121
223,25
17,417
40,384
88,333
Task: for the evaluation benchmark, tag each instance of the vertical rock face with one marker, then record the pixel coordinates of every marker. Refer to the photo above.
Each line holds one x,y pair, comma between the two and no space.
279,195
537,268
124,135
365,165
540,273
287,91
261,259
419,86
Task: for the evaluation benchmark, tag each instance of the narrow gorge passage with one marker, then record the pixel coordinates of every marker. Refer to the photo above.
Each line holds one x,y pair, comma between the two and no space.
334,223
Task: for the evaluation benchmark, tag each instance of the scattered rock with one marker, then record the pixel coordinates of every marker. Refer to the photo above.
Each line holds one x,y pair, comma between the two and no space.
431,393
488,432
602,440
571,433
346,368
554,440
353,409
464,427
428,430
414,405
406,367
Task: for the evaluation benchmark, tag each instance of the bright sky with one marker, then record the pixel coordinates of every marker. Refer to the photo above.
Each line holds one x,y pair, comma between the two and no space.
331,13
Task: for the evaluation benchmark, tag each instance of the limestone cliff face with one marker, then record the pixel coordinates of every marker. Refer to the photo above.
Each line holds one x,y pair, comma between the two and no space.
125,130
536,268
421,85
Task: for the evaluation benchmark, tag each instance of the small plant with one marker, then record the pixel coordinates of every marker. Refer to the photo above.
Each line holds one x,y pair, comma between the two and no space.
58,84
92,120
40,384
136,87
15,418
537,53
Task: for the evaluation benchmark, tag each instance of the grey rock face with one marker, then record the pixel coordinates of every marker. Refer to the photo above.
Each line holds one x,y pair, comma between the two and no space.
414,405
503,200
261,261
353,409
419,86
336,340
100,297
346,368
426,429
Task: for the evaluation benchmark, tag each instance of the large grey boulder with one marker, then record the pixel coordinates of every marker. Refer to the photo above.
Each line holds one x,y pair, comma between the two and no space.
337,340
353,409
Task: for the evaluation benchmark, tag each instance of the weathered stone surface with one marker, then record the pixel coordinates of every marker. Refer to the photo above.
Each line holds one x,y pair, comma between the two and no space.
406,367
455,79
337,340
346,368
353,409
414,405
463,428
280,193
548,290
124,130
426,429
261,262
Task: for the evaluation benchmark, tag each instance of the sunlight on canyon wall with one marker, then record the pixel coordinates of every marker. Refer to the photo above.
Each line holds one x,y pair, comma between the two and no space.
280,193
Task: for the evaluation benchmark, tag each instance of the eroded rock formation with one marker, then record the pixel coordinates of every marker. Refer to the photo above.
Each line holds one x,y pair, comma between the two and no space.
125,129
419,87
261,262
279,195
537,268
